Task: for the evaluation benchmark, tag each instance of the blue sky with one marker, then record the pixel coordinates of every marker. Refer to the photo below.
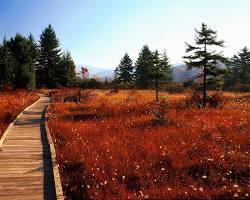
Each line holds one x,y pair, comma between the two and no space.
99,32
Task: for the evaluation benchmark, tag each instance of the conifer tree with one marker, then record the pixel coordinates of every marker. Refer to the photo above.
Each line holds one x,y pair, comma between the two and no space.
66,71
240,67
166,68
23,58
6,65
142,67
49,58
34,49
155,72
201,55
159,70
124,72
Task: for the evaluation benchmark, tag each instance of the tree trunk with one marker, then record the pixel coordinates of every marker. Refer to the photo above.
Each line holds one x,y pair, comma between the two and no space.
205,87
156,91
244,73
205,80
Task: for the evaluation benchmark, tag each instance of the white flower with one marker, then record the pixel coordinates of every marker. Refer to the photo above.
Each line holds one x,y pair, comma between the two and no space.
236,195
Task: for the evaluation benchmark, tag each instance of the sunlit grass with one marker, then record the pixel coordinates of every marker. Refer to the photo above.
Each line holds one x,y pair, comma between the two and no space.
11,104
108,148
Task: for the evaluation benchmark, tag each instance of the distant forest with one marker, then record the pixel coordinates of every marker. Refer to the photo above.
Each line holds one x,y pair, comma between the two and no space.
27,64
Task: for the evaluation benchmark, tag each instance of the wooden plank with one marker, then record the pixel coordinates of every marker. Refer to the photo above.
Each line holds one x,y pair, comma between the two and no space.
26,170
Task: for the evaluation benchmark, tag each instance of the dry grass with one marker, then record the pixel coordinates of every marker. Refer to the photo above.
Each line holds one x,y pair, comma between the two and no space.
109,148
12,103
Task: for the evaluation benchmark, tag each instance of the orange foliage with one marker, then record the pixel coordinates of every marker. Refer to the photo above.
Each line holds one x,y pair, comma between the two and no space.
11,104
108,148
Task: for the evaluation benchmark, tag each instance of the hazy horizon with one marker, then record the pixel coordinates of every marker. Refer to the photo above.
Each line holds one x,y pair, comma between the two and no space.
98,33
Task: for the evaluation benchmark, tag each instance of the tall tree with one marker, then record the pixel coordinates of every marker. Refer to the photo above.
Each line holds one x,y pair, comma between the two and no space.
202,56
49,58
23,58
155,72
6,65
67,73
124,72
240,67
142,67
159,70
166,68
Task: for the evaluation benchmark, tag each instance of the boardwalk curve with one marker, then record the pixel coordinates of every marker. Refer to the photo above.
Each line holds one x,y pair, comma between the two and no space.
26,170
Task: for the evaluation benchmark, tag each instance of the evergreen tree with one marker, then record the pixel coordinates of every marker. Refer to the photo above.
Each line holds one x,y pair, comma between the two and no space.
23,58
141,68
166,68
6,65
240,68
116,75
202,56
159,70
155,72
124,72
49,58
34,49
66,71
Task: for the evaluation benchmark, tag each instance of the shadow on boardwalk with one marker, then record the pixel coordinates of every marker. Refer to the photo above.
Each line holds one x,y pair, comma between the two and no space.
49,192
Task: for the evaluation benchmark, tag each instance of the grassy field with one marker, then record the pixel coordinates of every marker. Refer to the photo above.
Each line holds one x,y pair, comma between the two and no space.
113,146
11,104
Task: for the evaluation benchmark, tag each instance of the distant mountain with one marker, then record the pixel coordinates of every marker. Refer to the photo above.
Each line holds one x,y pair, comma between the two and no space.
98,72
180,72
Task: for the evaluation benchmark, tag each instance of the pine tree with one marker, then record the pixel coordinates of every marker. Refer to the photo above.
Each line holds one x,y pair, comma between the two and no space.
116,75
49,58
141,68
66,71
240,67
159,70
23,60
6,65
124,72
202,56
166,68
155,72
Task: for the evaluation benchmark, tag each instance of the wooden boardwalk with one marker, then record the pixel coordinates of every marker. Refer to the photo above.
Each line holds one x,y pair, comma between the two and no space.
25,160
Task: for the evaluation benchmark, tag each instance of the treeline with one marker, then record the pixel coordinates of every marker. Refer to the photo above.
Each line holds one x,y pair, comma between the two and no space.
150,69
24,63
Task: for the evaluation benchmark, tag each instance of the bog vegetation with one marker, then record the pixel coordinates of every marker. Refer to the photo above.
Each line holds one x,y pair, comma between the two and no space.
12,103
122,145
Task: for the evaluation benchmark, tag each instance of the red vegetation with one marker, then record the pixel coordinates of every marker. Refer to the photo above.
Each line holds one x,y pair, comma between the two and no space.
108,147
12,103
